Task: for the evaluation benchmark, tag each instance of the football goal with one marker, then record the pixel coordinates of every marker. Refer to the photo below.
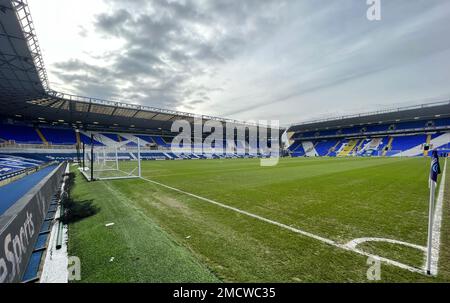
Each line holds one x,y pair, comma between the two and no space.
106,158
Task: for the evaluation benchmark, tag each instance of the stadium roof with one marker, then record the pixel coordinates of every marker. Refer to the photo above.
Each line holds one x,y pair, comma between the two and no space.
25,93
417,112
22,72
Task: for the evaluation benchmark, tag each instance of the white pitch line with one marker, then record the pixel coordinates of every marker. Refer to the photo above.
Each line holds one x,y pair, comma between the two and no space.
355,242
437,220
293,229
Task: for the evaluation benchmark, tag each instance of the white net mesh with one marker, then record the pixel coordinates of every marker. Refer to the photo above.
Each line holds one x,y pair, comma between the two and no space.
107,159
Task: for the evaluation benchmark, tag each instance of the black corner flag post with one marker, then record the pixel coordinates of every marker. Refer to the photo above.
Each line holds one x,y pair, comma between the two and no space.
92,157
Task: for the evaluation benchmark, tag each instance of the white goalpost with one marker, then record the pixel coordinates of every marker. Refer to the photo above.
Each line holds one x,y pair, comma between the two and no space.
106,159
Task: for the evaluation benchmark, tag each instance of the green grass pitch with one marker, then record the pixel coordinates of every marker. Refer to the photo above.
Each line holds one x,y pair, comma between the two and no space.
161,235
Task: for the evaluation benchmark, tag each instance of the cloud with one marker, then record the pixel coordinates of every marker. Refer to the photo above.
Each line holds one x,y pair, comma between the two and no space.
256,58
337,47
167,45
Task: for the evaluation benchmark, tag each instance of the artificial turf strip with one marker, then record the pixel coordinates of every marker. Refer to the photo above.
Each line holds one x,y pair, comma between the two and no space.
142,252
340,199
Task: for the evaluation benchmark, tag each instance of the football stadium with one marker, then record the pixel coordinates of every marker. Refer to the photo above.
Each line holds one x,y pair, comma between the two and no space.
93,190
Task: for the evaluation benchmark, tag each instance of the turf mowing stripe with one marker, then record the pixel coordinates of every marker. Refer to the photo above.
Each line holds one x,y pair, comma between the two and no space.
437,224
293,229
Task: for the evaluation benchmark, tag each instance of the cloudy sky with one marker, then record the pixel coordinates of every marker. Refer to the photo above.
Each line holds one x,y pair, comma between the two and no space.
248,59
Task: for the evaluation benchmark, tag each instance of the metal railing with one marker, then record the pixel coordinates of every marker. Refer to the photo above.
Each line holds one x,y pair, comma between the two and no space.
26,23
373,113
375,133
138,107
13,144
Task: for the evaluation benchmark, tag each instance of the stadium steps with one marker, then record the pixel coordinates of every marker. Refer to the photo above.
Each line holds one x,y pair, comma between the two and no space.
425,152
38,131
388,146
348,148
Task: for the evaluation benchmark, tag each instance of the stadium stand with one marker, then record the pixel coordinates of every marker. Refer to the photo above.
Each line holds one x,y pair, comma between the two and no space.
39,125
12,164
323,148
59,143
402,143
13,191
160,141
409,131
19,134
59,136
392,139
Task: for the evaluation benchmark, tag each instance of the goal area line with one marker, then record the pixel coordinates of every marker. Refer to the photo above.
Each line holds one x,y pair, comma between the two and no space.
126,175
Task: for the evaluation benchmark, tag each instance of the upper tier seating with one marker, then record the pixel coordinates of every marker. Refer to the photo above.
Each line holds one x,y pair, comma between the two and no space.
410,125
114,137
160,141
87,140
48,136
373,128
146,138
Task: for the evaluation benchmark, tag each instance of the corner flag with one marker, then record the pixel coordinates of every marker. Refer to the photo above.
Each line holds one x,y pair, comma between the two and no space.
435,167
435,170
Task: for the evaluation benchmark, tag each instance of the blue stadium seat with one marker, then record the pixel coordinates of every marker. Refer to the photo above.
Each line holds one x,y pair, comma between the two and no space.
59,136
323,147
160,141
19,133
403,143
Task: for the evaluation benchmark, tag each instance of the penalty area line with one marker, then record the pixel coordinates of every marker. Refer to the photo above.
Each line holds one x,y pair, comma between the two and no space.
293,229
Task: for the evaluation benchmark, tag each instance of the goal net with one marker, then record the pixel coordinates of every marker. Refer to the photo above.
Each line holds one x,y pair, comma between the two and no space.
107,159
